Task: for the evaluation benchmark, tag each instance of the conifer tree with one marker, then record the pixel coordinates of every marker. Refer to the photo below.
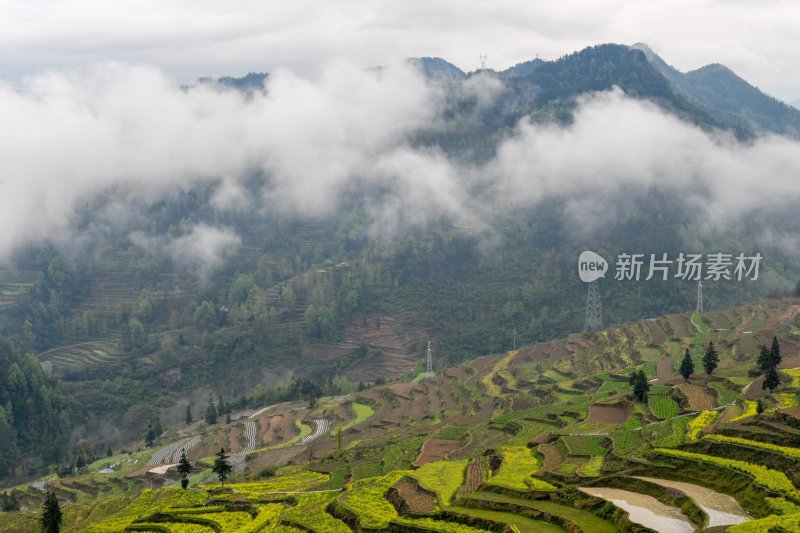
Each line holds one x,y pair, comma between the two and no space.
221,466
188,418
710,359
51,514
687,366
640,386
771,379
775,352
184,467
211,411
764,360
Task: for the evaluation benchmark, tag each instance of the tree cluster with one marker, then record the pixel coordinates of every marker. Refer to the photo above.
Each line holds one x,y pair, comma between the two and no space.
768,361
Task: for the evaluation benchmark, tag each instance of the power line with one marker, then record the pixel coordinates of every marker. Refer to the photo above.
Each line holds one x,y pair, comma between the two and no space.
429,369
594,308
699,307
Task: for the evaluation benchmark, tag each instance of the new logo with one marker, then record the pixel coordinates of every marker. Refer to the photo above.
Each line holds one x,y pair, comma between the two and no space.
591,267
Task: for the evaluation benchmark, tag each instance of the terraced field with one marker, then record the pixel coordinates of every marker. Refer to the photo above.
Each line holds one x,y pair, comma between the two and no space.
502,441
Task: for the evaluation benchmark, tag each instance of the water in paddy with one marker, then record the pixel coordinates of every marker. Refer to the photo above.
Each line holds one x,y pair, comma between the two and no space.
722,510
645,510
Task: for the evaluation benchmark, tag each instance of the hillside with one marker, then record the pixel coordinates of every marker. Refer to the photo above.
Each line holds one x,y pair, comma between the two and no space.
541,437
163,298
719,91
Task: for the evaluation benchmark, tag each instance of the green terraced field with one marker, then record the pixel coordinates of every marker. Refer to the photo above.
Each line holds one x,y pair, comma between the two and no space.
521,522
583,519
663,406
583,445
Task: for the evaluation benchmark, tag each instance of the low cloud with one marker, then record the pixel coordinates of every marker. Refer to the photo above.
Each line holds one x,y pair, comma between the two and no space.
70,136
201,251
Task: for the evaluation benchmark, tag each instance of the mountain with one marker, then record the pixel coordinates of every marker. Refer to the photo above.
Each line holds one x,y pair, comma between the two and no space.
795,104
436,68
522,69
599,68
124,333
719,91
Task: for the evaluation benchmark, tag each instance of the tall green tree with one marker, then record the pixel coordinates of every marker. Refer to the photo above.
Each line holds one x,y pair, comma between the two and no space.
775,352
764,360
211,411
710,359
188,418
150,437
221,466
184,468
51,513
771,379
687,366
640,386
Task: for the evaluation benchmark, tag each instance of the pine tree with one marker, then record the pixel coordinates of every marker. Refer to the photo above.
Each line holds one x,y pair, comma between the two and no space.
220,405
188,418
221,467
640,386
710,359
771,379
157,428
775,352
184,467
687,366
51,514
764,360
109,451
150,437
211,411
228,418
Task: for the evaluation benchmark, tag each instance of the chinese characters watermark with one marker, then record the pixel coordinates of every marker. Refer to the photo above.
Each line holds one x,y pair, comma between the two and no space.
686,266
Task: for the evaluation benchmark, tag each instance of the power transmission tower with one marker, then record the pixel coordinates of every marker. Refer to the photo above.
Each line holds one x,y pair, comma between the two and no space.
594,308
483,61
429,361
699,308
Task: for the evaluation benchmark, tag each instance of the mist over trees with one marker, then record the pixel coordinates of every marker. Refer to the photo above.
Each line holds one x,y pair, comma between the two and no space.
454,214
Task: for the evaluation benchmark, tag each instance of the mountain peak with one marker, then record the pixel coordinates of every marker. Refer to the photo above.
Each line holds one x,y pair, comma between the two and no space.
436,68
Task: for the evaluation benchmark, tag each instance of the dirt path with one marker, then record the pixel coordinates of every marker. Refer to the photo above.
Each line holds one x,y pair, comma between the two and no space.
722,510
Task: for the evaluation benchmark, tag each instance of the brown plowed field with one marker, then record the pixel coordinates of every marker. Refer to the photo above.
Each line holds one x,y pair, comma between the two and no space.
656,334
755,390
552,456
435,450
680,326
607,414
700,398
473,478
665,370
233,440
266,425
419,501
482,366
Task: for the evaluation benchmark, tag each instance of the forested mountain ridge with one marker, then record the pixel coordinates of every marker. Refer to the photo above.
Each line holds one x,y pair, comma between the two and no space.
722,93
134,333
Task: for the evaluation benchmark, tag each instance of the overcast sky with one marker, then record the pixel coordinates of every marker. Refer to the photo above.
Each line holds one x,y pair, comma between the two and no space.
758,39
